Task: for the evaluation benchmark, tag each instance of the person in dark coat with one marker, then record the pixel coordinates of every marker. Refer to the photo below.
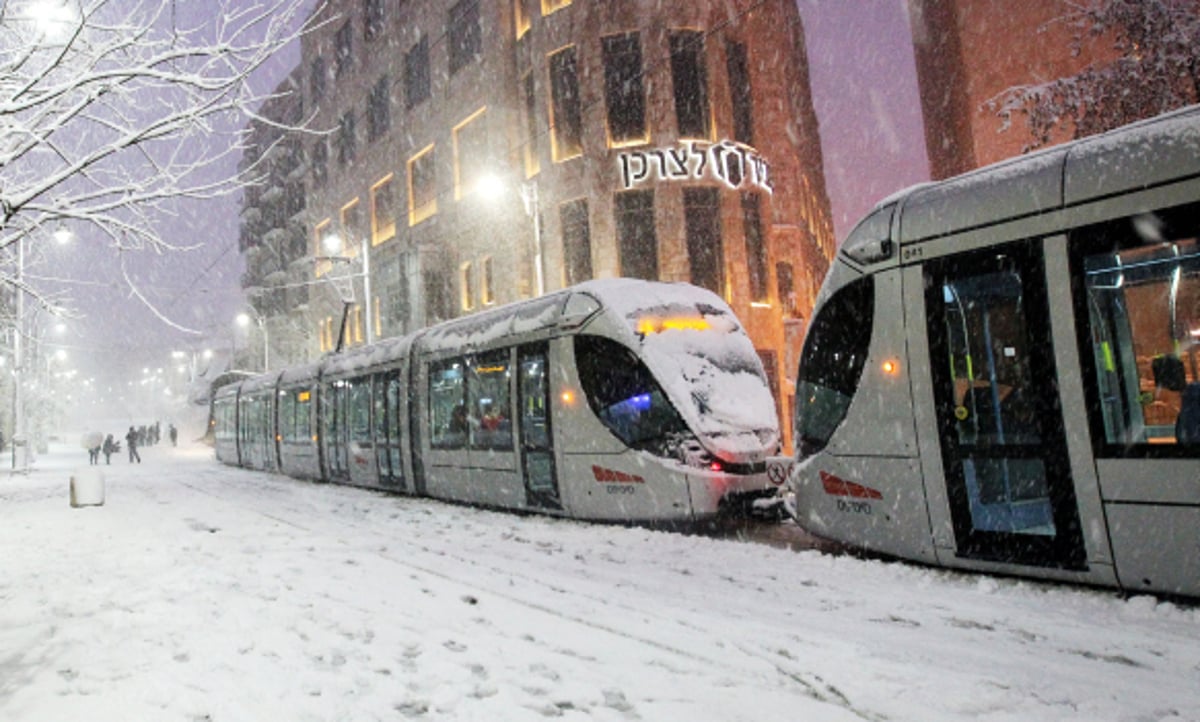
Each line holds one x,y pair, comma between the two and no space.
110,447
131,438
173,433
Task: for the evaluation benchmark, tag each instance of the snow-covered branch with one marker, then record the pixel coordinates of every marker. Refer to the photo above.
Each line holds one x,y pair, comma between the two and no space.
109,112
1153,70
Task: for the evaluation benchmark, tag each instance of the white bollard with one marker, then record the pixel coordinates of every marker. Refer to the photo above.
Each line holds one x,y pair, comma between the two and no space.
87,487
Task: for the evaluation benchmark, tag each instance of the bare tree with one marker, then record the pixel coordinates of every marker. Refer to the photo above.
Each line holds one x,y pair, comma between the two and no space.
1155,70
107,109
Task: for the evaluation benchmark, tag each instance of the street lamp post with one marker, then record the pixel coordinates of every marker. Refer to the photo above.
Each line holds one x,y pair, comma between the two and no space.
243,319
336,248
529,196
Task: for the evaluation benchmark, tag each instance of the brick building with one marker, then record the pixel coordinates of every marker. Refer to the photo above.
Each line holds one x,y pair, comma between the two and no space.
967,53
483,151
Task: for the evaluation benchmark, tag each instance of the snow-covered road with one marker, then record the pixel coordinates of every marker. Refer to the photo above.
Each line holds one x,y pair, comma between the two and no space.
199,592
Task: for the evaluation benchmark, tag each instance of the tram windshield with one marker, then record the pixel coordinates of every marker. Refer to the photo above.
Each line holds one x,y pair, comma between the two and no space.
624,395
832,363
1143,319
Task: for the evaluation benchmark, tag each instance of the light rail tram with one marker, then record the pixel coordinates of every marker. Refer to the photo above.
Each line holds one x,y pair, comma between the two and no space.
1003,370
614,400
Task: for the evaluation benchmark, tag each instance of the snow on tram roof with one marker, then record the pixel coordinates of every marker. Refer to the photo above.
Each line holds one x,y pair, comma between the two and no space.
1144,154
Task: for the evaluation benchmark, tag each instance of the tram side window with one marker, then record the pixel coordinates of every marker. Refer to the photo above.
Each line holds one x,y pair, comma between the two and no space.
447,405
1141,278
359,411
624,395
301,420
489,407
223,415
832,361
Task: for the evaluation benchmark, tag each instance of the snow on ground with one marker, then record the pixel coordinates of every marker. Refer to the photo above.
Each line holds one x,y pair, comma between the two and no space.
203,593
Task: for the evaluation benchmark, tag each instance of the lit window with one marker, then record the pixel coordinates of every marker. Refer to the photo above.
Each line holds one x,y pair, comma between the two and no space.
470,153
487,295
466,291
521,17
422,189
383,210
549,6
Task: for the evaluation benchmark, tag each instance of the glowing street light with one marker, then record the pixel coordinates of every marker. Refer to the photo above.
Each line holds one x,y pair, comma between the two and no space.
243,320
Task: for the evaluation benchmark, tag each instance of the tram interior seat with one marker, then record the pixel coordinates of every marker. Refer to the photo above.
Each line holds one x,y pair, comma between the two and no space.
1187,425
1169,373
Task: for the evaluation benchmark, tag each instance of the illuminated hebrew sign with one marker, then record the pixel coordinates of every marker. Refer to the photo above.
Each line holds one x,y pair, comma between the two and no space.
734,164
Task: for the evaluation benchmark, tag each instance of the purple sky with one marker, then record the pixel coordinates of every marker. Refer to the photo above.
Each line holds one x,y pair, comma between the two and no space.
864,89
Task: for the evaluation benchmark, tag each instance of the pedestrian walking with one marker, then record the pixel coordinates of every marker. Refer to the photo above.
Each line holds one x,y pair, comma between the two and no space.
110,447
131,439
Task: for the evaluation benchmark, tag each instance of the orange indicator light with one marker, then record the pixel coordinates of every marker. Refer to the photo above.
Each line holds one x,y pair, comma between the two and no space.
890,367
568,398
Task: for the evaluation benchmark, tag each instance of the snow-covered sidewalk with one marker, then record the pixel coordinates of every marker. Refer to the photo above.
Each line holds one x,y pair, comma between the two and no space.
200,592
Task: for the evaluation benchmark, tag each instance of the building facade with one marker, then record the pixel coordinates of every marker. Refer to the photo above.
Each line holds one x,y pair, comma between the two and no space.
273,232
475,152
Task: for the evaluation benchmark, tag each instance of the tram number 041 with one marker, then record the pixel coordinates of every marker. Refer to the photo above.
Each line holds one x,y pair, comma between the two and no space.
854,507
615,489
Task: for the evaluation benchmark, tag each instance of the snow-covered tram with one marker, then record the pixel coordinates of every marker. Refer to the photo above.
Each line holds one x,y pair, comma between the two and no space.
617,400
1003,370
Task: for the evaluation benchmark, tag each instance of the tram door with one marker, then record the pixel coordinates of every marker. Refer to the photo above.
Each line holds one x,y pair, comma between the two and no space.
537,439
336,436
1000,419
387,427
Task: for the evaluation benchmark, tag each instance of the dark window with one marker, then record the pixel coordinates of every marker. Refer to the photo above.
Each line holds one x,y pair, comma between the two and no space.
691,84
564,91
436,290
373,15
416,74
831,364
422,187
756,248
320,161
636,239
343,49
739,91
379,109
463,34
785,281
346,139
531,131
316,80
706,257
577,240
623,93
624,395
